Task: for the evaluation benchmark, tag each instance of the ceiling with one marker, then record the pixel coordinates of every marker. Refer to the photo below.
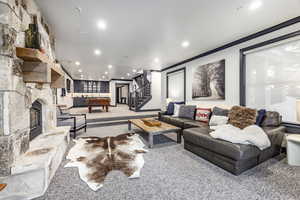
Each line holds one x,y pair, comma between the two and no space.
138,31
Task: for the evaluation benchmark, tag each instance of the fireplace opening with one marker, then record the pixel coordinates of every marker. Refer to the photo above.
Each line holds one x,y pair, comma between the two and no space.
36,127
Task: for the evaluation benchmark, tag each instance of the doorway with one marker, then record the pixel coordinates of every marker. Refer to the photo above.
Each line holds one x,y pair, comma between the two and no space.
122,93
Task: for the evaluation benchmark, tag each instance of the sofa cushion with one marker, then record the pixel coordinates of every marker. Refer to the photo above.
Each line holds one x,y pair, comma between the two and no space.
275,134
194,123
200,137
203,114
187,111
176,121
241,117
271,119
220,111
179,122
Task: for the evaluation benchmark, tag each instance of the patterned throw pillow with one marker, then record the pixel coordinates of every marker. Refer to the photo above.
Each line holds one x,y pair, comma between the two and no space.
203,114
242,117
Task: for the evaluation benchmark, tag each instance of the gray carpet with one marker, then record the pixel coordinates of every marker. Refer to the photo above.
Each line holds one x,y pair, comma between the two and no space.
172,173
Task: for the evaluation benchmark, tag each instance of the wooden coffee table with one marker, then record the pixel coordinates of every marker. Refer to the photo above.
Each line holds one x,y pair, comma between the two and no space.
155,130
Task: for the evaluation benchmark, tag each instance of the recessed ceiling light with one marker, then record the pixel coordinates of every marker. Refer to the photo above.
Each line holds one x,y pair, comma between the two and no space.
97,52
134,70
80,70
102,25
77,63
185,44
106,72
156,60
255,4
122,77
103,77
109,66
128,74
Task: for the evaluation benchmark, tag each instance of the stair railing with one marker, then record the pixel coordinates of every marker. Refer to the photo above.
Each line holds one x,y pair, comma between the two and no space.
137,96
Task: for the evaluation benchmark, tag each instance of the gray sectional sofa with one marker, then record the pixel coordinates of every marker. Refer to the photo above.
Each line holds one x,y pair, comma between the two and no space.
235,158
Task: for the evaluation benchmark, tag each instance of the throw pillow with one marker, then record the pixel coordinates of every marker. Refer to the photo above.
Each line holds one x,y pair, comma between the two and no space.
176,110
242,117
170,109
271,119
216,120
203,114
220,111
260,117
187,112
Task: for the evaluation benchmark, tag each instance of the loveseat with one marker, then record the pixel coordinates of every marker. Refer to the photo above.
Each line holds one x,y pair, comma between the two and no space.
235,158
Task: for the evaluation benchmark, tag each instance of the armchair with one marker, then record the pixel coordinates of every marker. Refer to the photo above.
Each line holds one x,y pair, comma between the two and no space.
76,121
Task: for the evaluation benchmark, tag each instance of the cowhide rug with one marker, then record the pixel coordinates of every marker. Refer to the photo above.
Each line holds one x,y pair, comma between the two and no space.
95,157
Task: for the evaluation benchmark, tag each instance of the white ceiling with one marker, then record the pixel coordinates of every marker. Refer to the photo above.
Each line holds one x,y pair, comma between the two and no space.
138,31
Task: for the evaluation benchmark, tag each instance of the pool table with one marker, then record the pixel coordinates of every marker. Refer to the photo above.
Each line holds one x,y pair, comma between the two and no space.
96,102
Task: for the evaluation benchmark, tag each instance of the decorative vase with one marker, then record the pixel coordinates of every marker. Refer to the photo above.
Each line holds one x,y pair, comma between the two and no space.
32,36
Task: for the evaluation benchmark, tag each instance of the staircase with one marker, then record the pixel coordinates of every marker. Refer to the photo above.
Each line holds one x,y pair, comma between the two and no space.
140,97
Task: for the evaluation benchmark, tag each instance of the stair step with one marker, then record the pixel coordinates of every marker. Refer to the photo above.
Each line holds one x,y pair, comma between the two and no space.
115,121
106,123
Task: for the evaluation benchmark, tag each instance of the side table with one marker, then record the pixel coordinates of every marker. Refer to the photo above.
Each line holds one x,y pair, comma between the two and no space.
293,149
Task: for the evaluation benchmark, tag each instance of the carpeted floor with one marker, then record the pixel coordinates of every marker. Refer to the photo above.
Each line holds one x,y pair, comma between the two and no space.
172,173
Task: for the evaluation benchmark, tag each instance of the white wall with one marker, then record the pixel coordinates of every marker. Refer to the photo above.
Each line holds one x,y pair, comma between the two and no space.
155,102
68,99
112,89
231,55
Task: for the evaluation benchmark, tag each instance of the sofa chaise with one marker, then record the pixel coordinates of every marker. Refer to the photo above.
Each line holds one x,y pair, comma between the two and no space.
235,158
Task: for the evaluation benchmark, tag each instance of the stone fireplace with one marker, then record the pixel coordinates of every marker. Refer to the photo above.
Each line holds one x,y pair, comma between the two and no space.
31,145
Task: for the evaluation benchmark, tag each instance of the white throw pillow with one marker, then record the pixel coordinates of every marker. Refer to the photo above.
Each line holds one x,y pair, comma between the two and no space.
216,120
176,110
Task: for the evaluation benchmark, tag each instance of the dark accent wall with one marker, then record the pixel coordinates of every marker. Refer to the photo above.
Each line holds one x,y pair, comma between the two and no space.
86,86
